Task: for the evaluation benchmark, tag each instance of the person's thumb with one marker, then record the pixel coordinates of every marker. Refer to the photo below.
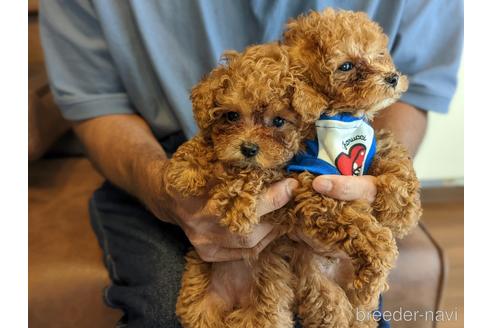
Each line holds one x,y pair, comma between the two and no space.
276,196
346,188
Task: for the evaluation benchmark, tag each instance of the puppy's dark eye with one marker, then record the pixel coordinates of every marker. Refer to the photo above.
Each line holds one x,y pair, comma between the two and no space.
345,67
232,116
278,122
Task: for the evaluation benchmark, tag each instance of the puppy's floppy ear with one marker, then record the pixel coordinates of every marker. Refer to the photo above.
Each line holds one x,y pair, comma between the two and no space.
204,95
307,102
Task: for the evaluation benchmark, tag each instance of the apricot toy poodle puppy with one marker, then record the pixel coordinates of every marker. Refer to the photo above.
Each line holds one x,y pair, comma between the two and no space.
343,55
252,115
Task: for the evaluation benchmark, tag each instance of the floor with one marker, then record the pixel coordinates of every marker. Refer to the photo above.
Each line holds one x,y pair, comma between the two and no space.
443,216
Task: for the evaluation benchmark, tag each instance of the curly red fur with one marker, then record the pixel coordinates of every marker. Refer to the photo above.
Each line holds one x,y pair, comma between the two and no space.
397,203
351,228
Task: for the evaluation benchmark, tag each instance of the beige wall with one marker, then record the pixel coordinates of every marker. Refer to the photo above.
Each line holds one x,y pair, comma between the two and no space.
440,159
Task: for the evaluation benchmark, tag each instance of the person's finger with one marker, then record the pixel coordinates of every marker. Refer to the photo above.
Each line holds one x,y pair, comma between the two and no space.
314,244
233,240
219,254
321,249
228,254
276,196
346,187
260,246
215,253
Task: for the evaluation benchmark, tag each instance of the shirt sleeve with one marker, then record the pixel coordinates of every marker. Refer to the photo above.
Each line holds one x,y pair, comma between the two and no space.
428,49
83,79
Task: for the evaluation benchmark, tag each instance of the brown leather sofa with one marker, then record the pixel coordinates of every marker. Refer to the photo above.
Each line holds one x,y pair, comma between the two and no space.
66,272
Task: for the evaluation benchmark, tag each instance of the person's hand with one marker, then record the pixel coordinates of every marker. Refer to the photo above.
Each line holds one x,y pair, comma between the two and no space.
213,242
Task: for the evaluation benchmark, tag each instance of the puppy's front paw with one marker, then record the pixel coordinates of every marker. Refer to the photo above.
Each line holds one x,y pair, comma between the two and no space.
241,216
185,182
397,204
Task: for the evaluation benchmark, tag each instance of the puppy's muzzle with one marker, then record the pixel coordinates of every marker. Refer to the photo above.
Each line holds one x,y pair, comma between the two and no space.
249,149
392,80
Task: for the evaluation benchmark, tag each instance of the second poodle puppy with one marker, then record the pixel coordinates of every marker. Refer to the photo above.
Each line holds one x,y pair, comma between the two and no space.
343,55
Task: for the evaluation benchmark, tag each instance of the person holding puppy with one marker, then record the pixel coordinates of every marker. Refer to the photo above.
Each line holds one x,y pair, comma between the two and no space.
121,72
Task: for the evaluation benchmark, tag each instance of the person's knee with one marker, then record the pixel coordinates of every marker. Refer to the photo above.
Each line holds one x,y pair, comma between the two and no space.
147,289
145,258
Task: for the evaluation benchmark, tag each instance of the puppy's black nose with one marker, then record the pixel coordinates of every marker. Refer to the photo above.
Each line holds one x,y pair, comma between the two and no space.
392,80
249,149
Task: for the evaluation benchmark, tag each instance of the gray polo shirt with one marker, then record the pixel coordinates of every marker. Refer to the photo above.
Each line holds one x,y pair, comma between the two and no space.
143,56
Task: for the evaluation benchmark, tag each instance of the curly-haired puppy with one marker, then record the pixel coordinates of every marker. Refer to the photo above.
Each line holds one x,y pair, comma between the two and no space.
343,55
252,115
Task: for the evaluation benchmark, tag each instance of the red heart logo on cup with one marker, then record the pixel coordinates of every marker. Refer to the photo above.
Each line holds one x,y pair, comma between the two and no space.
351,163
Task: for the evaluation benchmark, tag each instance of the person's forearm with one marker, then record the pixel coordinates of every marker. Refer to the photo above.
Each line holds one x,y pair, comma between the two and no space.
124,150
407,123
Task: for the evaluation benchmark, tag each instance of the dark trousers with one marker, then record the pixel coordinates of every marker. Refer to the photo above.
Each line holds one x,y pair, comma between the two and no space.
144,257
